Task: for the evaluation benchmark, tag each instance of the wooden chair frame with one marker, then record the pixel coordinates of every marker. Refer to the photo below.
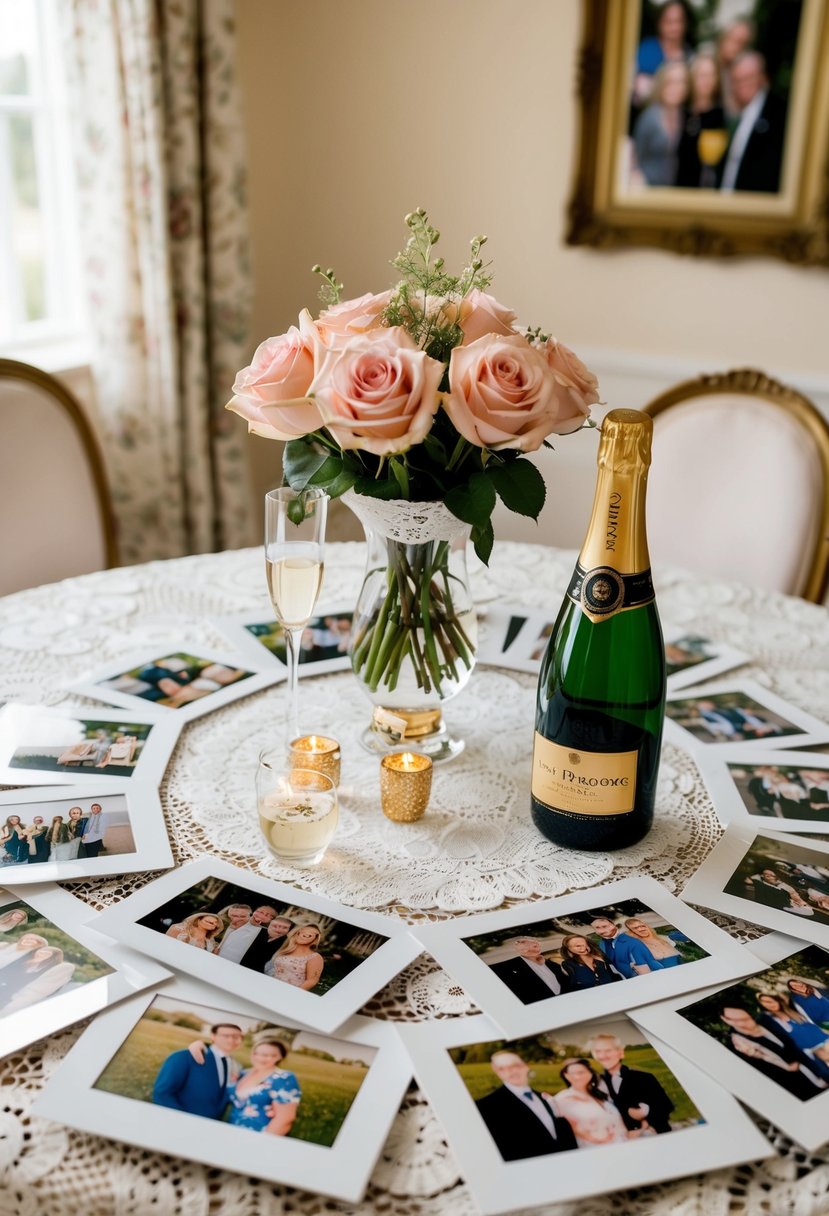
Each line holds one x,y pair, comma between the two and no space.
12,369
751,383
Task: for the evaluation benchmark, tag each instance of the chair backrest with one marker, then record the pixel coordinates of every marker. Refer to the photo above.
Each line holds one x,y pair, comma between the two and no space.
739,486
56,517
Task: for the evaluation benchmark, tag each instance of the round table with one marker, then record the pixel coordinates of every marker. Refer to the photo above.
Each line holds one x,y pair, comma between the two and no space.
475,849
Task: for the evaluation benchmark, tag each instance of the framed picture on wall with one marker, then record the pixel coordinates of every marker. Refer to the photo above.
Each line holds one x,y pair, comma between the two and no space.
703,127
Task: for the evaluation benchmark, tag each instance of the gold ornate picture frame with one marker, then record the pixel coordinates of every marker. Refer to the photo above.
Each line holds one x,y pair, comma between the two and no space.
614,205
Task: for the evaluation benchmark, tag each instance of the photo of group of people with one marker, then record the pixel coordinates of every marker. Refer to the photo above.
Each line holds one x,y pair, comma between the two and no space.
587,1087
710,91
269,937
81,745
65,830
728,717
687,651
175,680
323,638
785,876
584,950
239,1070
39,960
777,1022
783,791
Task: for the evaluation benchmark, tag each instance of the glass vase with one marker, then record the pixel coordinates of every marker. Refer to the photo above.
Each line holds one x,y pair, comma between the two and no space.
414,635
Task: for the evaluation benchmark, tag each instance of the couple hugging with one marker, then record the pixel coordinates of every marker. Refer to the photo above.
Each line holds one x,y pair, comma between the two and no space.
206,1080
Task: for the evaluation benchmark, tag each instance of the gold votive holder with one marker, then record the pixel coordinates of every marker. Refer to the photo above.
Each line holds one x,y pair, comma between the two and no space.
405,786
317,753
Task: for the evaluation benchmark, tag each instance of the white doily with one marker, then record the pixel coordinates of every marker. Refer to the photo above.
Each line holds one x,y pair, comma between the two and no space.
408,522
474,849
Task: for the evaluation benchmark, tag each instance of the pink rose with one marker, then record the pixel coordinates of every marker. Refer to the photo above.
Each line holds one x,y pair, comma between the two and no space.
482,314
272,394
578,387
379,393
503,394
352,317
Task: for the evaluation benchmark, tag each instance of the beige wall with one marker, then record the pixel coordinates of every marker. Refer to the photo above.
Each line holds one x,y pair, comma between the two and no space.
357,112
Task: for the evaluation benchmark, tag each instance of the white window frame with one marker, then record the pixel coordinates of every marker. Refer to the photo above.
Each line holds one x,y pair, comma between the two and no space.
65,323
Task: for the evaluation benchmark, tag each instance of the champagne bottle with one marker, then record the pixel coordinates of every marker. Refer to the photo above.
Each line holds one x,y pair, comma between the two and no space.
601,689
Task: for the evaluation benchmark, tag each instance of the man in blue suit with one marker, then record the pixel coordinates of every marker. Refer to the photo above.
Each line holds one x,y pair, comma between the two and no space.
200,1089
626,953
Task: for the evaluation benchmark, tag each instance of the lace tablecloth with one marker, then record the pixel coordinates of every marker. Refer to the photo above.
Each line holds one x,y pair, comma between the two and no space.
475,849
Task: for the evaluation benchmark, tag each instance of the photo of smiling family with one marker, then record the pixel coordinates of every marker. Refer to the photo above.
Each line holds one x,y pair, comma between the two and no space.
65,831
267,936
239,1070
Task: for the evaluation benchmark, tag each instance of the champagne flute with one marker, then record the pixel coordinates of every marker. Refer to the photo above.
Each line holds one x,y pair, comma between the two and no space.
711,146
294,543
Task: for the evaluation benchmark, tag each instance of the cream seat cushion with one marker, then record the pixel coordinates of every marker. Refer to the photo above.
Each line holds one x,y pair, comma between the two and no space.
734,491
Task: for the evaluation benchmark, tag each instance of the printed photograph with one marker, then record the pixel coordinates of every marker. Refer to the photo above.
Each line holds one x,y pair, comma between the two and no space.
584,950
38,960
783,791
58,744
69,829
540,644
709,96
777,1022
175,680
788,877
285,941
728,717
687,652
235,1069
580,1088
323,638
515,623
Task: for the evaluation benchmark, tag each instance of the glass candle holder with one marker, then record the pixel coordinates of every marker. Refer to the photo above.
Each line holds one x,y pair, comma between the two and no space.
405,786
298,810
317,753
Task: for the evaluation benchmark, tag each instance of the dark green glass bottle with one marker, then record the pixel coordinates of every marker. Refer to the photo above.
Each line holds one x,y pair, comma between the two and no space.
601,690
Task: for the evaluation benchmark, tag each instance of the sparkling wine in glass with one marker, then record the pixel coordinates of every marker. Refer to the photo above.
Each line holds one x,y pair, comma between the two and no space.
711,147
294,545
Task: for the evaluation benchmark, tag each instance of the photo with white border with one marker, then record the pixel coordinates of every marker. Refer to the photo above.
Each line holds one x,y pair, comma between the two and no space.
57,745
762,1067
716,1132
691,658
500,629
29,1010
124,835
767,878
743,715
180,680
257,637
126,921
74,1095
783,791
509,987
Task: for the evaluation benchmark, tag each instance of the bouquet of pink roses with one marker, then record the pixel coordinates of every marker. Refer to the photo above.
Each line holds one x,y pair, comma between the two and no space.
426,392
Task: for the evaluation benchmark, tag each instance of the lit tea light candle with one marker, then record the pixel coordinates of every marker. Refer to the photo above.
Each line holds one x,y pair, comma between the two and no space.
405,786
318,753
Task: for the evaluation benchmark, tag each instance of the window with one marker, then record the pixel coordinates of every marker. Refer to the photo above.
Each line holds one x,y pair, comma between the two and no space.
40,298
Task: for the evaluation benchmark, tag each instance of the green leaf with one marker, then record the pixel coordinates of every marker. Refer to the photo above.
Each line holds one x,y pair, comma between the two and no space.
398,468
377,489
300,461
435,449
520,486
331,467
483,539
344,480
474,502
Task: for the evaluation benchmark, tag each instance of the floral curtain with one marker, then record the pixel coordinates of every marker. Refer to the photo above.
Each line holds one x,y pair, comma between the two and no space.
161,169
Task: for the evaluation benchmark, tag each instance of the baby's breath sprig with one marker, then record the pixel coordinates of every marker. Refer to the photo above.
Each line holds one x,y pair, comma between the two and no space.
535,336
329,293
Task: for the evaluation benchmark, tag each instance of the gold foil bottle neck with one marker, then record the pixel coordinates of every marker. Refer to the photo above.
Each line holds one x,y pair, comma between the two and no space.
625,442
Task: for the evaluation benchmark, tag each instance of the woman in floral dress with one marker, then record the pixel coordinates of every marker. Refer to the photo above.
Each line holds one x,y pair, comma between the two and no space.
199,930
297,961
265,1097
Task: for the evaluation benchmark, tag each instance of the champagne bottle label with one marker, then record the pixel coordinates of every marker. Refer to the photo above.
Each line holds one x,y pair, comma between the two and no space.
586,783
603,591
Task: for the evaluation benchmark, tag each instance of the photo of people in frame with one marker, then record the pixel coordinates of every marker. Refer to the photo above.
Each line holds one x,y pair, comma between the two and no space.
783,791
788,877
709,96
728,717
175,680
777,1022
688,651
68,829
287,942
583,950
58,744
246,1072
578,1088
39,960
323,638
